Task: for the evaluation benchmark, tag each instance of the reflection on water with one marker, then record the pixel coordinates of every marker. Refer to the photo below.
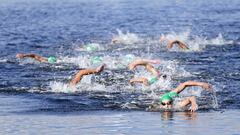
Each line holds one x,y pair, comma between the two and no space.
169,115
124,123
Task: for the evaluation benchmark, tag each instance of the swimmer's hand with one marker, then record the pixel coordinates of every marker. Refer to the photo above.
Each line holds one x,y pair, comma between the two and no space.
114,40
206,86
20,55
194,107
100,68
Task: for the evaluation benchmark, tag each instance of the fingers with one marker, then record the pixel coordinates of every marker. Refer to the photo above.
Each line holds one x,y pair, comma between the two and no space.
99,69
194,108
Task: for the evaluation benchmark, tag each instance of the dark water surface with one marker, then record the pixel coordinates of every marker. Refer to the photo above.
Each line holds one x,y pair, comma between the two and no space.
210,28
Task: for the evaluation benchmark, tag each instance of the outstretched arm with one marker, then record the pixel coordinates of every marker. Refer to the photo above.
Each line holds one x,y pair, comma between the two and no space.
189,100
179,43
142,62
182,86
83,72
34,56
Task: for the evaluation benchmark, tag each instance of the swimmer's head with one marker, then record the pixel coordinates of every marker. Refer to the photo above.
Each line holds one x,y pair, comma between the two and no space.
52,59
166,101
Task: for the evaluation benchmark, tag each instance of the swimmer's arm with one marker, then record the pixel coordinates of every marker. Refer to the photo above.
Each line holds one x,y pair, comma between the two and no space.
182,86
187,101
142,62
34,56
139,80
83,72
135,63
151,61
179,43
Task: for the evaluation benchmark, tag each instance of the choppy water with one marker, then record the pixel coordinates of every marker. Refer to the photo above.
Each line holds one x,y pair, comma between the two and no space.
210,28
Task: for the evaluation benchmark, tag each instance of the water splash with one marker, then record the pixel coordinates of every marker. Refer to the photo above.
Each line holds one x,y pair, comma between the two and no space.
126,38
81,61
3,60
60,87
195,43
219,40
86,61
90,47
172,68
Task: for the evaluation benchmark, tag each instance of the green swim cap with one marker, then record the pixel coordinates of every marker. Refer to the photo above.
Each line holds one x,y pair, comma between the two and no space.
152,80
52,59
168,96
96,60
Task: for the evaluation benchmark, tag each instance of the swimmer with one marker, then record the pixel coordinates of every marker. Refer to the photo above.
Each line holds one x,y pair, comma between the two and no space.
147,64
167,99
173,42
39,58
84,72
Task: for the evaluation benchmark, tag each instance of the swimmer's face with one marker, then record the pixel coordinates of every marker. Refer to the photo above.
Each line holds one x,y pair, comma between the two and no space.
166,104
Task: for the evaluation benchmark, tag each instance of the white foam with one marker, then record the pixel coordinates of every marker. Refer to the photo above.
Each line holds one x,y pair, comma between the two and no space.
60,87
81,61
219,40
86,61
127,38
28,61
3,60
195,43
92,47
